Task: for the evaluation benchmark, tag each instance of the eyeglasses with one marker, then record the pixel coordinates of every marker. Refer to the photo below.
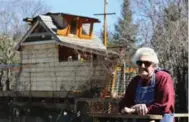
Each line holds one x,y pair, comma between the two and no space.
146,63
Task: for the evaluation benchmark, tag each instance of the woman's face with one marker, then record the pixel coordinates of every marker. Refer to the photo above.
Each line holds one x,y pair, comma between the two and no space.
145,66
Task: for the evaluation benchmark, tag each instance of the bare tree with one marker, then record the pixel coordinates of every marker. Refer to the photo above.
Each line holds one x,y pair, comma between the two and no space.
12,13
163,26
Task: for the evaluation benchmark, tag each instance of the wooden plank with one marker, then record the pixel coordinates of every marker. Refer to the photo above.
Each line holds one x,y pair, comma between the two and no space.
40,34
52,74
74,63
63,64
85,75
40,51
40,55
41,60
38,44
50,87
50,94
54,79
56,63
148,116
124,116
31,68
181,115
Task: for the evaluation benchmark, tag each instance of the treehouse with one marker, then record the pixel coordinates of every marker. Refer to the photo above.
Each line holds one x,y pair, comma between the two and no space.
61,60
59,54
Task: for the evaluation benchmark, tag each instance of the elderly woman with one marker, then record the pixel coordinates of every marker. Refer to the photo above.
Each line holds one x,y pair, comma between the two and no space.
152,90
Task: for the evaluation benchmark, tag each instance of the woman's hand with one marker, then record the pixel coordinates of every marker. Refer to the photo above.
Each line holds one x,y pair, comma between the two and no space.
127,110
141,109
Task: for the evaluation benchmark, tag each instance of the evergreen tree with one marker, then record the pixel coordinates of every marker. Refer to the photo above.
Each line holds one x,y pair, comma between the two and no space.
125,38
125,30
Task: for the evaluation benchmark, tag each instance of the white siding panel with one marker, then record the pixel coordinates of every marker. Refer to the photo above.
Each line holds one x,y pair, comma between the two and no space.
43,71
39,46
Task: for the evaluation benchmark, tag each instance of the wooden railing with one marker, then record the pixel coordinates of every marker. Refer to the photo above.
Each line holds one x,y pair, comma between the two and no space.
107,109
112,116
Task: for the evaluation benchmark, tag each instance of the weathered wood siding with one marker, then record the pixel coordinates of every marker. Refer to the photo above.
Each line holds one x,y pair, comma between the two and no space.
42,71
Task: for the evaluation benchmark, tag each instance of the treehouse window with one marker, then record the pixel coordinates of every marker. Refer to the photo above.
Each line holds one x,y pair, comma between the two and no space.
67,54
86,29
73,28
59,21
85,56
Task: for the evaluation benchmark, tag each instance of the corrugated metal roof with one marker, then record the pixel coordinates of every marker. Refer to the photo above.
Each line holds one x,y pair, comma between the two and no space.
94,43
47,20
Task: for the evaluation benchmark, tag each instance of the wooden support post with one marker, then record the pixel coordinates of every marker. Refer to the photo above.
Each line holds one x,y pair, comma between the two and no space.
105,28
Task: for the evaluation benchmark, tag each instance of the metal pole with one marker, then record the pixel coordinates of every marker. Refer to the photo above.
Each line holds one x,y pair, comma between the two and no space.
105,41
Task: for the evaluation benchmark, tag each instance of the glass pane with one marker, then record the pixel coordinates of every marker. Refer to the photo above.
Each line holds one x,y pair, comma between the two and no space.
86,29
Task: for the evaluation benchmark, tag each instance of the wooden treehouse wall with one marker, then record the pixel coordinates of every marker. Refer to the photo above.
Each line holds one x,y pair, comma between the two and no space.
42,70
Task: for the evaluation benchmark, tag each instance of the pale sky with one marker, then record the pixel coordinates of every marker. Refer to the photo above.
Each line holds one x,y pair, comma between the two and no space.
88,8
